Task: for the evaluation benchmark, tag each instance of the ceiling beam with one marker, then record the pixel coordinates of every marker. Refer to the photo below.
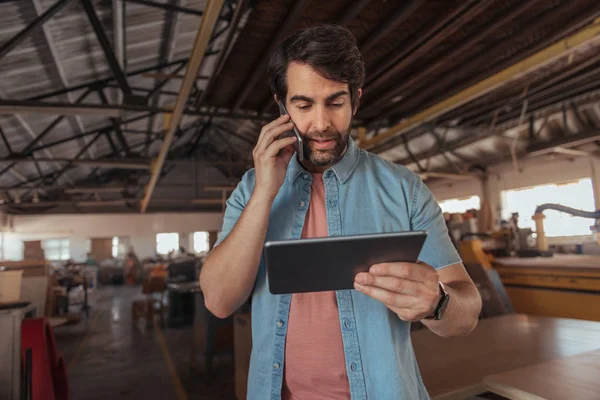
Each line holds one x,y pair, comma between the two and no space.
104,81
424,43
167,7
61,72
10,107
119,164
111,203
222,57
402,13
352,11
29,132
561,49
40,20
118,10
443,175
564,143
166,52
106,47
209,20
463,75
291,21
441,62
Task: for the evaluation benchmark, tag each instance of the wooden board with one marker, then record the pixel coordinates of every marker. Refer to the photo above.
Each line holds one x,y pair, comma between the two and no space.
574,261
453,368
101,248
576,377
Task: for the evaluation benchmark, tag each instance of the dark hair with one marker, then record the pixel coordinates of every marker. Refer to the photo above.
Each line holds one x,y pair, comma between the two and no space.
330,50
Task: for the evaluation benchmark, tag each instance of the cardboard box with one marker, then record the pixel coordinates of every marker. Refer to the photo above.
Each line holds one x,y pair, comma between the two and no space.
29,267
242,338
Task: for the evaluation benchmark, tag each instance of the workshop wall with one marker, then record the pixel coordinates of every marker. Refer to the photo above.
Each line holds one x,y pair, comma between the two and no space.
531,172
140,228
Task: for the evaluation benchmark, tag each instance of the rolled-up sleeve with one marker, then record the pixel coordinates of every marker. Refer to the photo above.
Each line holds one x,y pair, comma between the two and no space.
438,250
235,205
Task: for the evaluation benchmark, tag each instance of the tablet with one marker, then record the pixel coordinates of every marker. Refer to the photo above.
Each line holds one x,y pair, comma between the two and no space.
331,263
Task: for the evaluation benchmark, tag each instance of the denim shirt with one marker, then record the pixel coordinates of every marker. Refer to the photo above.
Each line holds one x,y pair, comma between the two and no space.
363,194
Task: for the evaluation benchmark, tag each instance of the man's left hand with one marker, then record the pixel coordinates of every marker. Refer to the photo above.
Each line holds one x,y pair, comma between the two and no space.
410,290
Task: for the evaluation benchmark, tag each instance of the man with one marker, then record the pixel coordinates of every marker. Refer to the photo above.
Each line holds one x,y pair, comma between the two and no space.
350,343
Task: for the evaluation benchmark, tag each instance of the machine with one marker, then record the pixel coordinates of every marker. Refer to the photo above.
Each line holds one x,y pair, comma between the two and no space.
537,281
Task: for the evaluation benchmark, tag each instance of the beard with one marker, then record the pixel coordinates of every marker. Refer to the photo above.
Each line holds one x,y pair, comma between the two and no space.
325,157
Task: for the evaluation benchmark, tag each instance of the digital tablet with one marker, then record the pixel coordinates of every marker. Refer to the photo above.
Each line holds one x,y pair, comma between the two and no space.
331,263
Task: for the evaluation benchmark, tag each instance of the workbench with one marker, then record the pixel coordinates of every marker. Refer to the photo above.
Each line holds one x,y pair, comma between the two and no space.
574,377
565,285
455,368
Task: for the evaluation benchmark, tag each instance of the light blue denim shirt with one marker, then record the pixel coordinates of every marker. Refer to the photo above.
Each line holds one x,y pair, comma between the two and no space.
363,194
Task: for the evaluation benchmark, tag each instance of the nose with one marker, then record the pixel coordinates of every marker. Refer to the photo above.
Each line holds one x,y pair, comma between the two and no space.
321,121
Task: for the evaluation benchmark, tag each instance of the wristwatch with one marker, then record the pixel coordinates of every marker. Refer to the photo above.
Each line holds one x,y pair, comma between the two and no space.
438,313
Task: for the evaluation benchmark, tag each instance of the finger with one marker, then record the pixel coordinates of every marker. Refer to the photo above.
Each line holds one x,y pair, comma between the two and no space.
281,120
387,297
272,134
414,272
392,284
275,147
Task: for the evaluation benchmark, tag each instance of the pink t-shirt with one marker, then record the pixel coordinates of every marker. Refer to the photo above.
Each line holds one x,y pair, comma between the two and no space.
315,366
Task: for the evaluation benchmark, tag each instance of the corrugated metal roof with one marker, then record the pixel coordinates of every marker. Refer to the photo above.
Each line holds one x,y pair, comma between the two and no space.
473,40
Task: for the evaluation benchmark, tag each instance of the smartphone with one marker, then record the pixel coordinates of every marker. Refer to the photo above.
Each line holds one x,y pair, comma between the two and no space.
298,146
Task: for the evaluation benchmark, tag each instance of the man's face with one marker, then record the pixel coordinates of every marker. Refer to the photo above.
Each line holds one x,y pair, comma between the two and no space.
322,111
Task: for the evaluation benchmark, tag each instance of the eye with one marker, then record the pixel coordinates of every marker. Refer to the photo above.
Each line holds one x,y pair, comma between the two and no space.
337,105
304,107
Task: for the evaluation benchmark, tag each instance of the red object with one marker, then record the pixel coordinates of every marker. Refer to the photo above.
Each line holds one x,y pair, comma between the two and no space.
48,370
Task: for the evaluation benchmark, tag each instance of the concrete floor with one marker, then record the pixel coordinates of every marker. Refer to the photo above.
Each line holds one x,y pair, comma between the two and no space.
108,357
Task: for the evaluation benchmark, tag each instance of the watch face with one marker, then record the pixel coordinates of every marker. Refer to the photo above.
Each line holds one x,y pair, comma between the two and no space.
443,306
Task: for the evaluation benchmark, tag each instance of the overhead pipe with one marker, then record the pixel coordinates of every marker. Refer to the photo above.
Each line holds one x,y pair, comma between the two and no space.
538,217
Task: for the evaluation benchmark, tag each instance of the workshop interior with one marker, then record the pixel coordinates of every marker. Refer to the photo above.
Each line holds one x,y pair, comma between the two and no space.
125,126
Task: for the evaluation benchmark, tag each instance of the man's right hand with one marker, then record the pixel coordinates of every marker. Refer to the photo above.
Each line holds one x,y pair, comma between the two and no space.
272,156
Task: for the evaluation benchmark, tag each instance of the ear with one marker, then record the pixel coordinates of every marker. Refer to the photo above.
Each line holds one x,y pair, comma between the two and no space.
357,101
276,99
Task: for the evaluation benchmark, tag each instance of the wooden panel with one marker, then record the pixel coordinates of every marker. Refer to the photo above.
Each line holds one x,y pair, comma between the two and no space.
553,279
29,267
101,248
555,303
32,249
455,367
578,261
573,377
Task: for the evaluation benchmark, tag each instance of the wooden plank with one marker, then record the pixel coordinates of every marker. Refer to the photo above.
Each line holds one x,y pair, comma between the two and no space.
573,377
576,261
455,367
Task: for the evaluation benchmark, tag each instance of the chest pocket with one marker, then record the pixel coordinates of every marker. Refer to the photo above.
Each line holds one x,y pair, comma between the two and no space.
375,209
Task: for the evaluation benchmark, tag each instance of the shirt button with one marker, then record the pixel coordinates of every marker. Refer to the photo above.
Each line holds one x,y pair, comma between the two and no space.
353,367
276,365
302,204
347,324
280,323
332,202
305,176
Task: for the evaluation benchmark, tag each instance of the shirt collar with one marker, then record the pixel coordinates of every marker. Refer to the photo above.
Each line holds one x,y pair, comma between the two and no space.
342,169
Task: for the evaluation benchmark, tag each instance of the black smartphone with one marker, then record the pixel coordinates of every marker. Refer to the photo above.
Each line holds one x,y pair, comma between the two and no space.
298,146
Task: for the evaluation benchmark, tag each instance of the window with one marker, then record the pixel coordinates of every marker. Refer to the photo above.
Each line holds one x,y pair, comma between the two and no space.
56,249
576,194
460,205
115,246
201,242
166,242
